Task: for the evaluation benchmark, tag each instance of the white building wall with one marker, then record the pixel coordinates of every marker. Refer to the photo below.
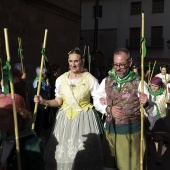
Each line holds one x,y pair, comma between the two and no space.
116,15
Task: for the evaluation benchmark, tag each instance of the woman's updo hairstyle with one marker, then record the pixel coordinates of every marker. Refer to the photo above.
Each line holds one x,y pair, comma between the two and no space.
76,50
163,66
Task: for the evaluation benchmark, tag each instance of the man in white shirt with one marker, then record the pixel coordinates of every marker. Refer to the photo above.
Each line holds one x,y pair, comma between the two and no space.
121,91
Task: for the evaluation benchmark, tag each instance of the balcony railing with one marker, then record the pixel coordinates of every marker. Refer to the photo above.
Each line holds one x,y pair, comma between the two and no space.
150,43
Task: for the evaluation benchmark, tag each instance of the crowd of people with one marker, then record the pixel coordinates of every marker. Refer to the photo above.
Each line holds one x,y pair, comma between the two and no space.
82,139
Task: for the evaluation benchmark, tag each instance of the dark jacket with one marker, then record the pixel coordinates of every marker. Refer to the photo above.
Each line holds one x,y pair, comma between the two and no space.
31,152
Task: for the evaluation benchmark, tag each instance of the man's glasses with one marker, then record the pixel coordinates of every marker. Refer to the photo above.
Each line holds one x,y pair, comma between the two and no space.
121,65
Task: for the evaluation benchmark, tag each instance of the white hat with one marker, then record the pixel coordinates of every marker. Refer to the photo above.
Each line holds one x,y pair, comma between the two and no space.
17,66
44,70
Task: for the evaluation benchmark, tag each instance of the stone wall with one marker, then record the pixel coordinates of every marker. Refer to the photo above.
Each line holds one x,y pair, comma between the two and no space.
28,19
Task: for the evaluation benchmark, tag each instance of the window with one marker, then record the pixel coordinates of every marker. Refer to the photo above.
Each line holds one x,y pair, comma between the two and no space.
99,15
157,6
134,37
157,36
135,8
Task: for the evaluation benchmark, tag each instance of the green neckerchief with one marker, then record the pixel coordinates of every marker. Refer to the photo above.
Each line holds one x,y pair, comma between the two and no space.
159,92
26,132
154,94
131,76
37,78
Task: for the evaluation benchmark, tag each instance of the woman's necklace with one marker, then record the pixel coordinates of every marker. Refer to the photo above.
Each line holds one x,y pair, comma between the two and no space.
73,80
73,83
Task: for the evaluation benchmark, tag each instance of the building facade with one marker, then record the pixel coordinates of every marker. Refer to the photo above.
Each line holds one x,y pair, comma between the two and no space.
119,25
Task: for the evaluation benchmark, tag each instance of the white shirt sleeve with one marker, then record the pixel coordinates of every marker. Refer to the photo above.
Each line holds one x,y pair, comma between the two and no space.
145,88
58,87
100,93
93,86
35,84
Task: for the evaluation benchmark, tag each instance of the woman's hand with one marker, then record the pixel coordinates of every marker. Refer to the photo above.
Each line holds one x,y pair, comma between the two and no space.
39,99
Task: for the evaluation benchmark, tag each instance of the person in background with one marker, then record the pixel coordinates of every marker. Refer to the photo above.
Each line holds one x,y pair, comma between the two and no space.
20,83
75,143
55,73
45,92
136,68
122,98
168,111
156,125
147,75
164,75
31,150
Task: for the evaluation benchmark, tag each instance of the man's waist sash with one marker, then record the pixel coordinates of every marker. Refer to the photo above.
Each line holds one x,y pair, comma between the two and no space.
127,120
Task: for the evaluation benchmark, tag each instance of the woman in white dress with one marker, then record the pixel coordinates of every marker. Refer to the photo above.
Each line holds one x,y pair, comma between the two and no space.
156,125
75,143
163,75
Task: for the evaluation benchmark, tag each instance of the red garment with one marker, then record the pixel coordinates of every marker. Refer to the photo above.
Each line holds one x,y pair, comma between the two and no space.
157,81
6,101
168,89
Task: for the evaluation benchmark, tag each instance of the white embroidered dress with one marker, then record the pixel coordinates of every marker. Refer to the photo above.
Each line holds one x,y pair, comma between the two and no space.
165,78
75,142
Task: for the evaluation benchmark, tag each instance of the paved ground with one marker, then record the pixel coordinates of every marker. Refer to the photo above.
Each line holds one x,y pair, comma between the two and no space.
151,165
